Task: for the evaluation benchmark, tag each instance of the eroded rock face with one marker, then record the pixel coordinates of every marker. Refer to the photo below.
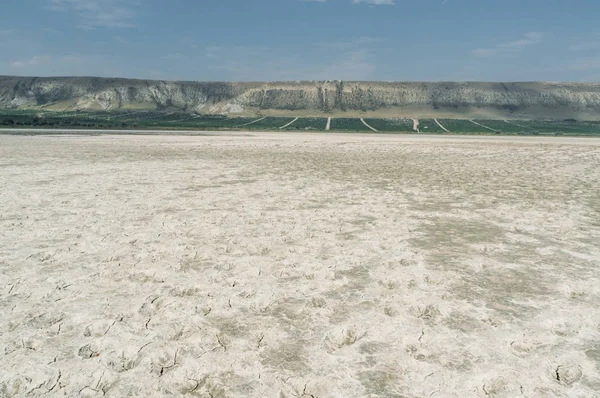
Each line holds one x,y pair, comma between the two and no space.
541,100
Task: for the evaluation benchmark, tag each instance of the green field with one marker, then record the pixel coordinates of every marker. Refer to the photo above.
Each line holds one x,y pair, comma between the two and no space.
391,125
462,126
430,126
347,124
309,123
565,127
506,127
270,123
179,120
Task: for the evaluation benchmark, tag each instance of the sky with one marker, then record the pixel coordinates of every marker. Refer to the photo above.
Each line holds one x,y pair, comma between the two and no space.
267,40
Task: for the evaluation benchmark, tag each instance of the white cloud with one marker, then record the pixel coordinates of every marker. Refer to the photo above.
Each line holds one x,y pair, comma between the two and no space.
344,59
64,65
371,2
34,61
585,64
16,43
8,37
375,2
529,39
585,46
589,44
352,65
512,48
121,39
7,33
98,13
213,51
362,41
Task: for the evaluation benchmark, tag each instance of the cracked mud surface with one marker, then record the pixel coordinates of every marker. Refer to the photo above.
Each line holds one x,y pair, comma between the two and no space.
299,265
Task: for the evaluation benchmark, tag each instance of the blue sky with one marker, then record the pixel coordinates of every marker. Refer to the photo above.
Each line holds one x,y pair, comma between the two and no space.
406,40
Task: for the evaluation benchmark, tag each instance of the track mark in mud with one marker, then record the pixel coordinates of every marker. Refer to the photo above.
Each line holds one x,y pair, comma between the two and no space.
252,122
440,124
442,273
367,125
568,374
515,124
289,124
482,125
260,340
175,363
221,341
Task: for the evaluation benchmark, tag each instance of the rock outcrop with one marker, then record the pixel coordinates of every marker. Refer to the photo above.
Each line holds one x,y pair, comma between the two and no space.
419,99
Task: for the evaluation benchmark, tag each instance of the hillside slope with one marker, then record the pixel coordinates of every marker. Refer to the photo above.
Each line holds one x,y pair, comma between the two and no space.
419,99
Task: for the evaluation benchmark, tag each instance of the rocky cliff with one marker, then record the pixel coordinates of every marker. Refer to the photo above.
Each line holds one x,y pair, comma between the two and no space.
502,100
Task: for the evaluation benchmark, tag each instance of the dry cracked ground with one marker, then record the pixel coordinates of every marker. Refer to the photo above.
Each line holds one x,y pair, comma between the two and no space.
299,266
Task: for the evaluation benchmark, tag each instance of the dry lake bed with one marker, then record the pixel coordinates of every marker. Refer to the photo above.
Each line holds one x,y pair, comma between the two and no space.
299,265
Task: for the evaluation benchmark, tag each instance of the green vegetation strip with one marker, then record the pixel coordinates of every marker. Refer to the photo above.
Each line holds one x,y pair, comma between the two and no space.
461,126
430,126
391,125
308,124
347,124
178,119
504,127
270,123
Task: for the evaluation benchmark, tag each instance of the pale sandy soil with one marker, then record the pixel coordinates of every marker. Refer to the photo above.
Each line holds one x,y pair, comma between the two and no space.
299,265
416,125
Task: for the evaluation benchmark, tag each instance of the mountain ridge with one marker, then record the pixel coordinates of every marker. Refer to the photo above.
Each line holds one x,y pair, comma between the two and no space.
551,100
